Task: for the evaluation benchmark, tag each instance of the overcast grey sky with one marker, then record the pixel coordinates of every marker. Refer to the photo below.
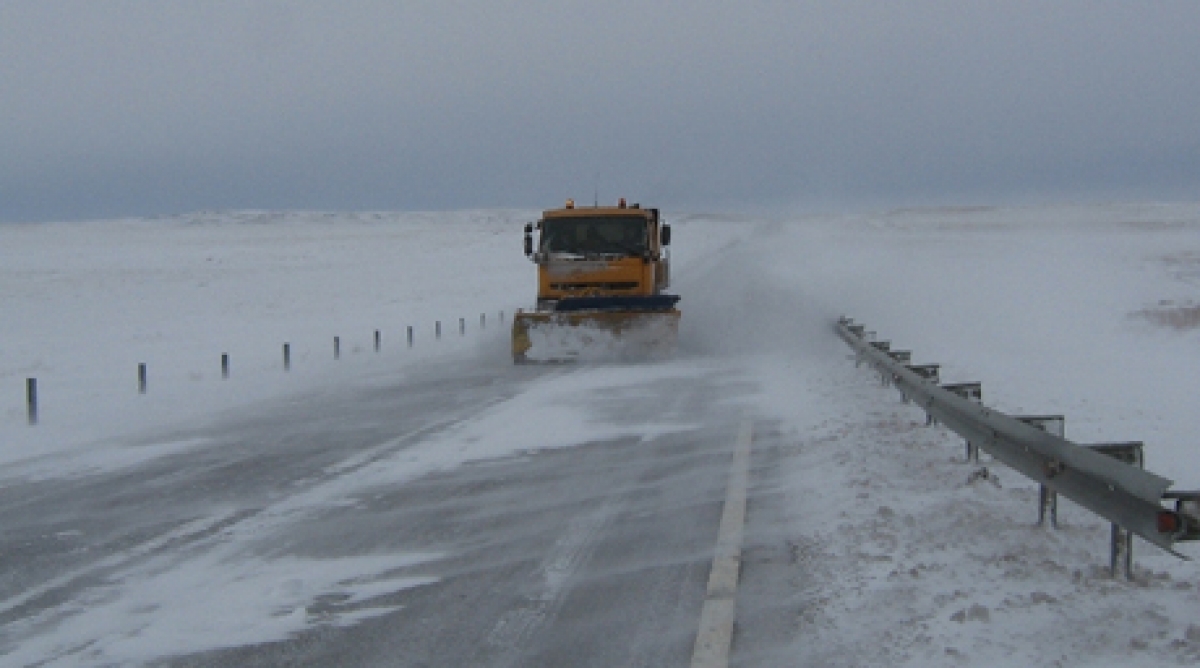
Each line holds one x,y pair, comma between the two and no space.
112,108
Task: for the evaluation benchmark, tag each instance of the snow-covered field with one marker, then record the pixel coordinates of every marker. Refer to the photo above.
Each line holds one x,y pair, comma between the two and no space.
85,304
1087,311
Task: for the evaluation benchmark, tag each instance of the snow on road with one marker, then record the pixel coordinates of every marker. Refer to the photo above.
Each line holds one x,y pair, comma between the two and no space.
885,554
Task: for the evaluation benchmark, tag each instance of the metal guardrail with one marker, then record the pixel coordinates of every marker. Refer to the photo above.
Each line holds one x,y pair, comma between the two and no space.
1106,478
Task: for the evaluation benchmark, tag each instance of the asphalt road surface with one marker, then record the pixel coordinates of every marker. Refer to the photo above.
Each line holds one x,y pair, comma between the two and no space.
591,555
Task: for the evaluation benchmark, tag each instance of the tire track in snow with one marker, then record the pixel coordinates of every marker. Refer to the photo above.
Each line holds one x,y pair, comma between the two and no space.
515,627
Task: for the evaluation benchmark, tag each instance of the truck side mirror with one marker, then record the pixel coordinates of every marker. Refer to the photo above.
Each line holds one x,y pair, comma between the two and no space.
666,235
528,239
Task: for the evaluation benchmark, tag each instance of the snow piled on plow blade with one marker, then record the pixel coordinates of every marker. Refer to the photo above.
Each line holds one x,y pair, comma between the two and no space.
597,336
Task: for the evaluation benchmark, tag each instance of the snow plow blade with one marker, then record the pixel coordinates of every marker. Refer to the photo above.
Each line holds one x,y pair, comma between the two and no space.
593,336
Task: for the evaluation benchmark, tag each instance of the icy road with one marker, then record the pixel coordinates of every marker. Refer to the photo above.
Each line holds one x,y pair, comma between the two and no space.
291,537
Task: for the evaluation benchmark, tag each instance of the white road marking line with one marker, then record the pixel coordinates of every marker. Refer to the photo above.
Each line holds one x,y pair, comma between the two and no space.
716,619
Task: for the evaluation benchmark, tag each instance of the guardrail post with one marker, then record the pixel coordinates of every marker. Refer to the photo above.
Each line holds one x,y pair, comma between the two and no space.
462,326
31,400
482,321
337,347
437,330
856,330
972,391
929,373
885,346
1047,498
1047,505
287,357
1121,551
410,340
224,366
859,331
142,378
377,340
1121,545
903,357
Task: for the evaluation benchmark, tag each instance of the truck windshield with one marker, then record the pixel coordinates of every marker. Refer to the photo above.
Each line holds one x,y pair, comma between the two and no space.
604,235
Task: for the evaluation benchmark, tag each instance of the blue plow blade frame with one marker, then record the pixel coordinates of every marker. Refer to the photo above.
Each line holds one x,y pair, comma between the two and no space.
651,303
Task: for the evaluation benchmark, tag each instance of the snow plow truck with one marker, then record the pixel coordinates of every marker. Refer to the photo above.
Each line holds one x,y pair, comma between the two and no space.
602,273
